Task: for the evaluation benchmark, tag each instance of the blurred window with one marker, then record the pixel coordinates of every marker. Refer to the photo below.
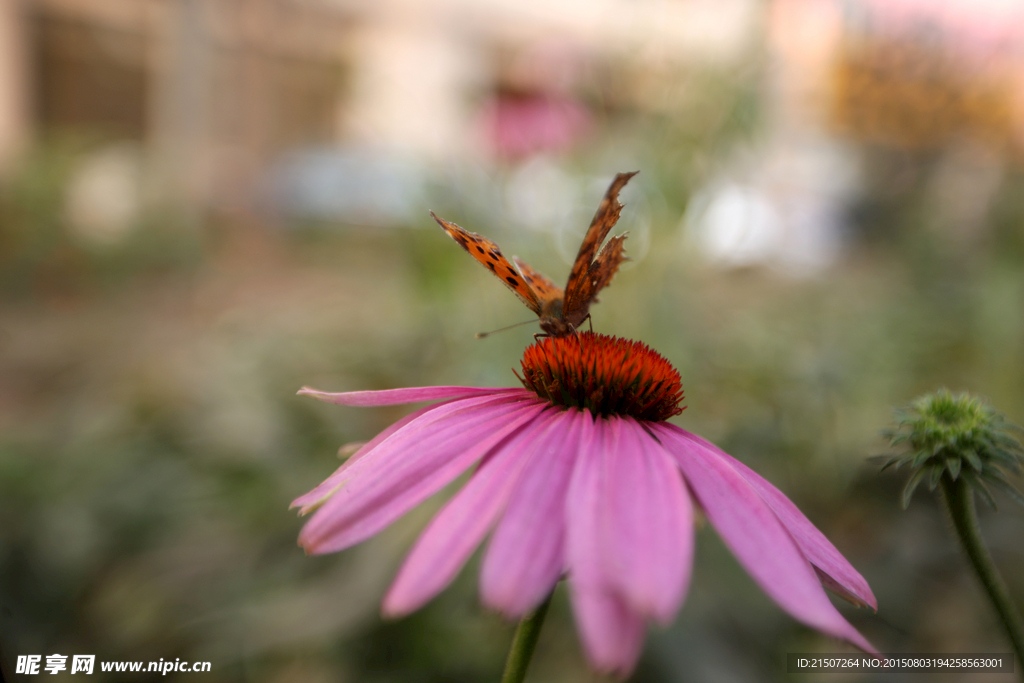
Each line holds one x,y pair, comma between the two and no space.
90,78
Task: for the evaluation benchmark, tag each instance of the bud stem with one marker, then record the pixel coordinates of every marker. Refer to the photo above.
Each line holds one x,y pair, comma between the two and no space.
959,497
524,642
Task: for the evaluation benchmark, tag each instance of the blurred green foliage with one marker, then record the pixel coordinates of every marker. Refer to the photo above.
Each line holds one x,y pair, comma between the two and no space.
42,256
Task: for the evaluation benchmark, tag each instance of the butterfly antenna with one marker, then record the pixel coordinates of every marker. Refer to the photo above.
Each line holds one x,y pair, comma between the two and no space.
481,335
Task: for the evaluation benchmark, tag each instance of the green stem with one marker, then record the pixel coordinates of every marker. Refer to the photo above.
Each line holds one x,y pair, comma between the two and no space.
959,497
524,643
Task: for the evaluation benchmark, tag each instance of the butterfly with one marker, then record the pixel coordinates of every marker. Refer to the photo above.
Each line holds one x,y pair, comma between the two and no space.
561,312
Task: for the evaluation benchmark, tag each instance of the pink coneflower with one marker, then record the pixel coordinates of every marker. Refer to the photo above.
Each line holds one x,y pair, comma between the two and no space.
581,477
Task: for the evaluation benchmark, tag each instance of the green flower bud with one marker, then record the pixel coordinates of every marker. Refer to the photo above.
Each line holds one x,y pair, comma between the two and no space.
956,436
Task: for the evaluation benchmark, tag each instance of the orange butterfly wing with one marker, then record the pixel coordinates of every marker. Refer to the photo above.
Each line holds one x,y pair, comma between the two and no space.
489,254
594,267
548,293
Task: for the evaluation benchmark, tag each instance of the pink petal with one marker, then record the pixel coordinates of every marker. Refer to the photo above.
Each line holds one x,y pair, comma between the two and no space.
390,397
756,537
612,633
456,531
312,500
833,569
584,509
526,554
648,522
412,464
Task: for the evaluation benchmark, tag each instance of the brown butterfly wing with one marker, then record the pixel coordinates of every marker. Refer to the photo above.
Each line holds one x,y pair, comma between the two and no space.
607,263
489,254
592,271
548,293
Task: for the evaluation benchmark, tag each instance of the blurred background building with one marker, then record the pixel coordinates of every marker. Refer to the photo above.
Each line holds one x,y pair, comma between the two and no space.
213,93
258,105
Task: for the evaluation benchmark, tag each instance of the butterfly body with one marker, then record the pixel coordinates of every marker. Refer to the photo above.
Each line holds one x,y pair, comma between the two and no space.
561,312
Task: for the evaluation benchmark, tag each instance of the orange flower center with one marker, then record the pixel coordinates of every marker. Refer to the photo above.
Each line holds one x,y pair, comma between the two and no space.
606,375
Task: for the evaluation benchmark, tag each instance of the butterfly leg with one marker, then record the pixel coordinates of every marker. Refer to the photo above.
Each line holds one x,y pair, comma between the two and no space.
576,330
